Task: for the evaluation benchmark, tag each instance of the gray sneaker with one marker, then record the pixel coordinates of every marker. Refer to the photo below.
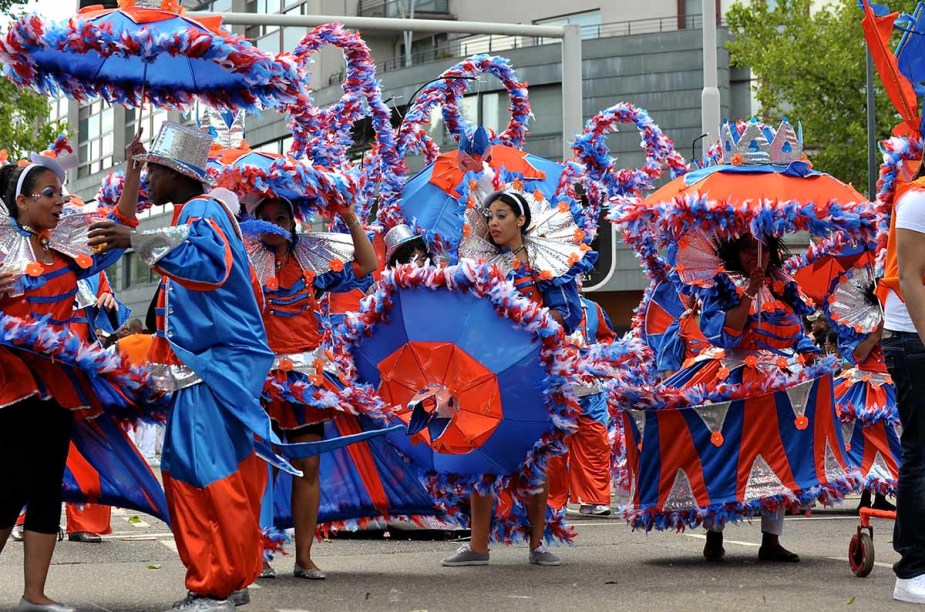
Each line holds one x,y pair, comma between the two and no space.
594,510
199,603
542,556
240,598
465,556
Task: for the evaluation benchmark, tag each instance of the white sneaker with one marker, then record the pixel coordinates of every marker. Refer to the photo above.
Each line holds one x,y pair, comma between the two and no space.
911,590
16,534
594,510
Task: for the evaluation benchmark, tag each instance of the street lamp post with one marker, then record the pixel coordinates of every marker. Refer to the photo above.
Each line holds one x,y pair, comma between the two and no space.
709,98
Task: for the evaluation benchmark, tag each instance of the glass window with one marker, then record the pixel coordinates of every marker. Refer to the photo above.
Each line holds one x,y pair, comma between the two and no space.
590,22
106,120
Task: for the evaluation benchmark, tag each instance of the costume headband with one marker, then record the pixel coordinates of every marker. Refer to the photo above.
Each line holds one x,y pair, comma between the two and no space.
40,161
509,197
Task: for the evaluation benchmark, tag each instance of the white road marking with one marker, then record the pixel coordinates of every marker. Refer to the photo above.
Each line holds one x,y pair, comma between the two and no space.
170,544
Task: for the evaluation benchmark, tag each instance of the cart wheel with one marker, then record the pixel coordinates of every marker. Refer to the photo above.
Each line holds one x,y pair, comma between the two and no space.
861,554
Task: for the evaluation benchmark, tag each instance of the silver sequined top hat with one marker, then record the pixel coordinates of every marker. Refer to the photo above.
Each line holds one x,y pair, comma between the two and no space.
397,236
183,149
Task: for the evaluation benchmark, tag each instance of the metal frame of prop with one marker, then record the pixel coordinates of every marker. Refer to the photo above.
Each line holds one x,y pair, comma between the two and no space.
572,96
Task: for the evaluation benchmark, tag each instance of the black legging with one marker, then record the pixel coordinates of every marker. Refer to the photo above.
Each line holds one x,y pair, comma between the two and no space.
34,440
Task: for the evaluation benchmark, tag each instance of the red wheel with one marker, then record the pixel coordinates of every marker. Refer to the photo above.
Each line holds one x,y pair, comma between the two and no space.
861,554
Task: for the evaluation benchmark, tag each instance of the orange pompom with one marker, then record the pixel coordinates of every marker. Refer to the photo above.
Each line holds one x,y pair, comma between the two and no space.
579,235
716,439
272,283
518,184
309,276
470,202
467,231
316,379
538,195
801,422
336,264
751,361
286,365
34,269
84,261
546,275
723,373
737,160
573,259
781,362
563,207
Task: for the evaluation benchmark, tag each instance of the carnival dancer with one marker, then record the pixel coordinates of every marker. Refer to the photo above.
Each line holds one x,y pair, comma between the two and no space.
210,351
509,218
290,314
734,321
39,394
584,473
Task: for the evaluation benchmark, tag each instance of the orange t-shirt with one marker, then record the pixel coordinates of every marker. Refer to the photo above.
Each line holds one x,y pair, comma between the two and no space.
135,348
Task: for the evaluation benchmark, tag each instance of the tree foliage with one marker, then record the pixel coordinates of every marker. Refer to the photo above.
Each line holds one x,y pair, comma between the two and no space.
24,124
809,64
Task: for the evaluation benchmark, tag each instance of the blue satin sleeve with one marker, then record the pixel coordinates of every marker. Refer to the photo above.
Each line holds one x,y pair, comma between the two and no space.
343,281
717,301
204,260
564,299
671,352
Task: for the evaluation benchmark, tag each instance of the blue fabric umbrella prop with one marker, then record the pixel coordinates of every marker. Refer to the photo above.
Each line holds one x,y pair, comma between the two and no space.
145,51
435,199
478,375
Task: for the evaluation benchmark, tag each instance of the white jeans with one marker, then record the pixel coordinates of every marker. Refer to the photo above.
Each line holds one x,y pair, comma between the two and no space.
146,437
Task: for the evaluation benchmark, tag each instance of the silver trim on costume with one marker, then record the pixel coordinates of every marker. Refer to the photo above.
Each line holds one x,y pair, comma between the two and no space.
154,245
171,377
85,295
305,362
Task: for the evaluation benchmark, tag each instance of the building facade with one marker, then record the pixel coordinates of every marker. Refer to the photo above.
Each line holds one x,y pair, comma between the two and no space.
648,54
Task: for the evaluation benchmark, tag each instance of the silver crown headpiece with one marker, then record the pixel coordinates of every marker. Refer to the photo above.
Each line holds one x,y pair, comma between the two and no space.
758,144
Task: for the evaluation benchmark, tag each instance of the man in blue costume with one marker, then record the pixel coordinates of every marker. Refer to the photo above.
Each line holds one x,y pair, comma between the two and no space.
210,351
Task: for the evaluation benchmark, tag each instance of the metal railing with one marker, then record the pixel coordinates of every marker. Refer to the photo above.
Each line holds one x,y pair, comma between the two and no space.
399,8
492,43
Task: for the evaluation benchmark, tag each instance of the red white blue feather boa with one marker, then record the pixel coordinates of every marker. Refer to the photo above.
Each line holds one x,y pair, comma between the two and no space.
322,190
271,79
324,135
896,152
447,91
451,490
590,148
669,221
123,389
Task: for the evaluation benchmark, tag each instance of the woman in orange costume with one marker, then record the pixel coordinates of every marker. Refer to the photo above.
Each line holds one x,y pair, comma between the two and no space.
37,394
294,335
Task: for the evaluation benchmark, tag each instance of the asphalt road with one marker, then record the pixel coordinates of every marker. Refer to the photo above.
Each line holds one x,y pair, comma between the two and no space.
609,568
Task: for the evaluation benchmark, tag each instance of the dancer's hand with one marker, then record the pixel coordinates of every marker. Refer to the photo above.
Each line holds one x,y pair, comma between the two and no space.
7,280
107,301
135,148
106,235
755,282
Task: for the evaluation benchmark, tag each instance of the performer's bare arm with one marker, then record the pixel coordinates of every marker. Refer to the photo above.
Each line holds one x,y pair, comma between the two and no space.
910,253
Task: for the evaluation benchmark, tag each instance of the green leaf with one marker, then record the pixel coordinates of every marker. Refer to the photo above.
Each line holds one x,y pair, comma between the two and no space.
134,520
154,566
851,601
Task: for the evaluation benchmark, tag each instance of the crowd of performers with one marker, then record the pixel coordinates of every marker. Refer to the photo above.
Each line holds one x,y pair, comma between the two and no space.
436,358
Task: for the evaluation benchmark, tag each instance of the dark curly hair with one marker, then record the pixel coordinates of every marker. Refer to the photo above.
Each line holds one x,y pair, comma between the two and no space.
728,251
9,176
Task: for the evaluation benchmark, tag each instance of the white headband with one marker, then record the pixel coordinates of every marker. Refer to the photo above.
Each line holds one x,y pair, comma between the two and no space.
41,161
22,178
